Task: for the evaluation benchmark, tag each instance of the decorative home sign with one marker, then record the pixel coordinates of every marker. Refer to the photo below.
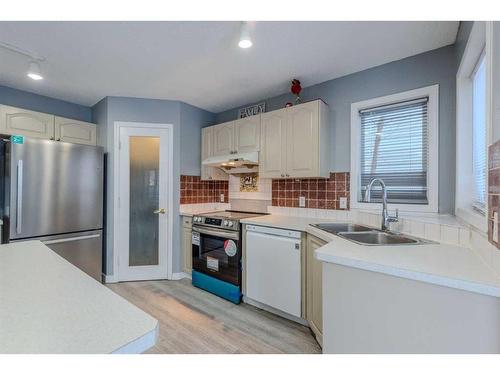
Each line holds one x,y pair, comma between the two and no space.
249,182
252,110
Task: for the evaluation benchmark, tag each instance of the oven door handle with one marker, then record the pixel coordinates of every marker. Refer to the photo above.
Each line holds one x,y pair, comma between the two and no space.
218,233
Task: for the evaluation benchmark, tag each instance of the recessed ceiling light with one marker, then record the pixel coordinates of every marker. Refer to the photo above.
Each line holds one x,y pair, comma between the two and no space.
245,40
34,71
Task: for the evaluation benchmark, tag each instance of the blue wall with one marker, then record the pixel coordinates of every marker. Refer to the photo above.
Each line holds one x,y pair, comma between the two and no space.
434,67
40,103
192,120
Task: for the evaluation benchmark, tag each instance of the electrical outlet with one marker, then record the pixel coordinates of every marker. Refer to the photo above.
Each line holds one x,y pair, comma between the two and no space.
221,198
343,202
495,227
302,201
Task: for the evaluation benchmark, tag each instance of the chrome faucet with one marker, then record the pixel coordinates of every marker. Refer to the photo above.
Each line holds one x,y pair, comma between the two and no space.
386,219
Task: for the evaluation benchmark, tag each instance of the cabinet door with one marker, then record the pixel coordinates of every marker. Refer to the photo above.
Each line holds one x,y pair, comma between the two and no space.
247,134
314,297
209,173
74,131
223,139
302,131
273,144
187,255
24,122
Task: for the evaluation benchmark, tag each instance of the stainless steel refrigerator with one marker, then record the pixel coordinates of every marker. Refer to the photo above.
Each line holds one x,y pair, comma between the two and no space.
53,192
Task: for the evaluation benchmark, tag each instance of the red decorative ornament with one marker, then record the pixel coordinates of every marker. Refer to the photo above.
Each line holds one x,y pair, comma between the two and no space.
295,89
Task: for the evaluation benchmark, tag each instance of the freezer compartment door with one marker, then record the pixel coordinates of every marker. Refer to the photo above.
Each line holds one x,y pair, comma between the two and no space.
56,187
83,250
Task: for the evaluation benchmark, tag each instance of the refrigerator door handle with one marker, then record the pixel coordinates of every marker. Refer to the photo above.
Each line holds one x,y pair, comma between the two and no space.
19,208
62,240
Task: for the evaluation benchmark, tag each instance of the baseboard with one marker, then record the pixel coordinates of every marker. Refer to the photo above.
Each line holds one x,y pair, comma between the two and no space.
276,311
109,279
180,276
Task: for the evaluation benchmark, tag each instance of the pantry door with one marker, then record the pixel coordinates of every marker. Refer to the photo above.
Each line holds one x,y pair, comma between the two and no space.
144,202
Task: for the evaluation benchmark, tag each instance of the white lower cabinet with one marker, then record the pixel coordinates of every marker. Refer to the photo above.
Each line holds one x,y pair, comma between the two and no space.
314,289
74,131
27,123
187,256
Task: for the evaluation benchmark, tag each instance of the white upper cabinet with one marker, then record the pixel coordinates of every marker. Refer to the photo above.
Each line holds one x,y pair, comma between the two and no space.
272,163
303,140
209,173
241,135
247,134
67,130
223,139
43,125
24,122
296,142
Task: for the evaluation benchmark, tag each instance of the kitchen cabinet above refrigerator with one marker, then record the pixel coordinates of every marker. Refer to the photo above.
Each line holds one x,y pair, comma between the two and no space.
18,121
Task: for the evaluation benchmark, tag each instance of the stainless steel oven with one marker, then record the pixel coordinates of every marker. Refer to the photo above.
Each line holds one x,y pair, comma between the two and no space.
217,253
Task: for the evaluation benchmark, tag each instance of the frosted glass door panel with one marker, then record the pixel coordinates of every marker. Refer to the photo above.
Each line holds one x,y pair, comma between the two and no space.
144,200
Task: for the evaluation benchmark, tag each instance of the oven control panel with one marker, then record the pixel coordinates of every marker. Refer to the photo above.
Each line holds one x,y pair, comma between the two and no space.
212,221
216,222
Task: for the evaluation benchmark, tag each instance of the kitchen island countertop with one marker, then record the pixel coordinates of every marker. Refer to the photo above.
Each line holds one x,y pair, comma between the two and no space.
47,305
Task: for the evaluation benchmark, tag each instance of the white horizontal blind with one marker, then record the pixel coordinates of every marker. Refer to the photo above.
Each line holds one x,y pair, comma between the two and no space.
394,147
479,136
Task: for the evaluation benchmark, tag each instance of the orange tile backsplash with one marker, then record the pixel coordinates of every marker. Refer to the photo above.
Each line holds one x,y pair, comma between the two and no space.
194,190
322,193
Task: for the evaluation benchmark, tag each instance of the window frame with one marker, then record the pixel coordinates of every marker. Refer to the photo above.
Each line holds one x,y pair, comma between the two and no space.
432,92
481,59
464,180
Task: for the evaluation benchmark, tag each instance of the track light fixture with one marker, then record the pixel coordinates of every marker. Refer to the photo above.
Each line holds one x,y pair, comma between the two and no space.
34,71
245,39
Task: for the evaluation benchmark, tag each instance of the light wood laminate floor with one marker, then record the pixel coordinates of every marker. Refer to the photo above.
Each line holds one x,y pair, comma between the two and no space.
194,321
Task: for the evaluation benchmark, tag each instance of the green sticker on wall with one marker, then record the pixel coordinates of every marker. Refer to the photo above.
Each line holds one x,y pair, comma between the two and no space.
19,139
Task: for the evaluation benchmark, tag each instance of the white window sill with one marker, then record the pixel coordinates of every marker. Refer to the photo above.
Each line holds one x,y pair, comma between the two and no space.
471,217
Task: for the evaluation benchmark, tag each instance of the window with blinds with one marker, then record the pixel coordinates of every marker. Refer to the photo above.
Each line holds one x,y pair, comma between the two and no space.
479,136
394,148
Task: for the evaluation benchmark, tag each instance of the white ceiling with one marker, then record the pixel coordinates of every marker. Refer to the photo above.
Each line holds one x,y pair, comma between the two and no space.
200,62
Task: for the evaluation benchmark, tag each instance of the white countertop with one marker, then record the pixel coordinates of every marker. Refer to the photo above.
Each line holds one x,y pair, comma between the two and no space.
47,305
285,222
446,265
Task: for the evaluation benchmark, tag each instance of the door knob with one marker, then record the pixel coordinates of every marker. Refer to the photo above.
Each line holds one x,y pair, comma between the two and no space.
159,211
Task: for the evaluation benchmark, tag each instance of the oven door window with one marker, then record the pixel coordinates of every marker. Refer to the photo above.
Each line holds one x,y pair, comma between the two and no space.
219,257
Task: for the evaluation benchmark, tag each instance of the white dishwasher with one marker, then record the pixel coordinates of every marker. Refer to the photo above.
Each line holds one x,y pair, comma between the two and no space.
273,271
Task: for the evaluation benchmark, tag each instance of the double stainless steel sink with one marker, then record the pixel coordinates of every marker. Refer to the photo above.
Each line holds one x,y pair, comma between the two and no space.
369,236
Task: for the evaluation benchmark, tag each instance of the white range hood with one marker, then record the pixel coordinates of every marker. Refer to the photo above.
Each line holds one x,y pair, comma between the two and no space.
247,162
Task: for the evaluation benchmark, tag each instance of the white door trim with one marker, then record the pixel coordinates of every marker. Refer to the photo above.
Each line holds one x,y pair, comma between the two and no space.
116,192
